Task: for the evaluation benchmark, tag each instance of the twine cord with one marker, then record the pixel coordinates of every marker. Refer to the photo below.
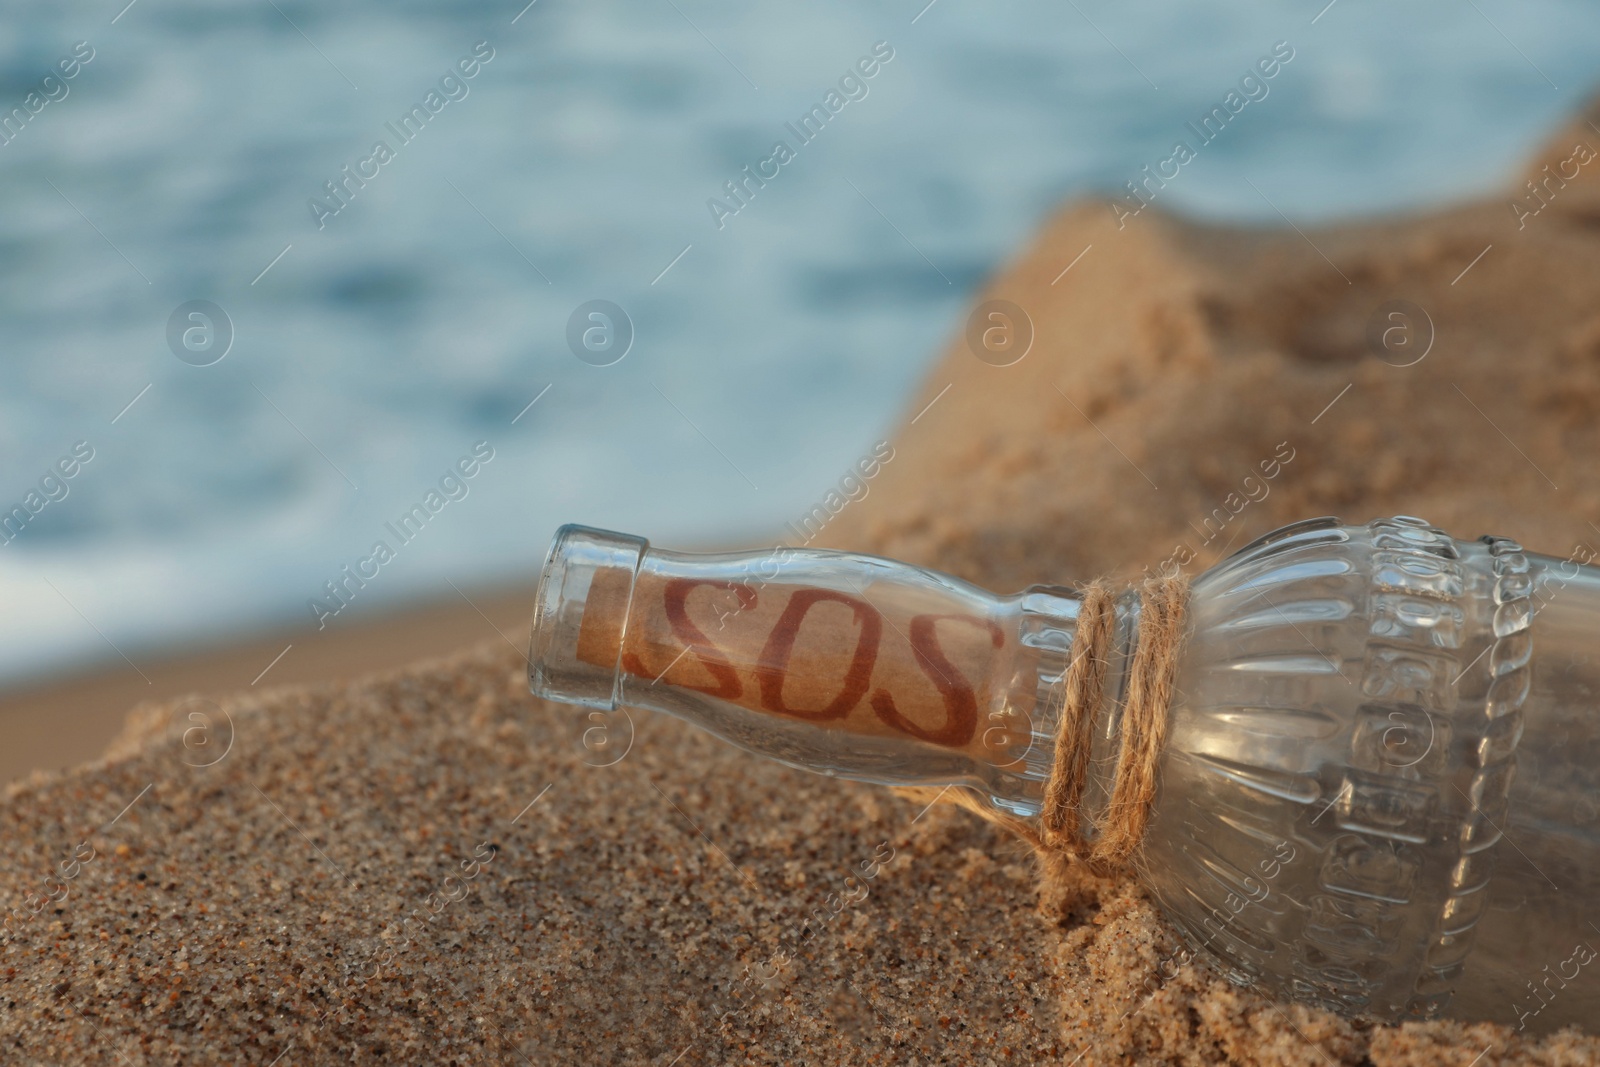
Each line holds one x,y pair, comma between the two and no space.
1151,678
1083,687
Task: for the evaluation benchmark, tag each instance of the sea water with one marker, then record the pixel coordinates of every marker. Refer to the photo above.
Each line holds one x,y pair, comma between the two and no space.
390,316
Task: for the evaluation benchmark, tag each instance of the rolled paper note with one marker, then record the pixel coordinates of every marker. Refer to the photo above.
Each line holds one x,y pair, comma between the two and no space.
811,653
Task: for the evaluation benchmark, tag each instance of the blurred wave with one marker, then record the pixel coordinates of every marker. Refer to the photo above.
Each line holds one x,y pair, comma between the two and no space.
433,307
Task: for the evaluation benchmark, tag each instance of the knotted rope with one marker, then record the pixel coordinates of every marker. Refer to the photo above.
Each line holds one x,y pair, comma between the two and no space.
1143,729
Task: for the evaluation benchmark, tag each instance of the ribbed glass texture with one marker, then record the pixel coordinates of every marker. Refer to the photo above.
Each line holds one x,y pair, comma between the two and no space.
1380,789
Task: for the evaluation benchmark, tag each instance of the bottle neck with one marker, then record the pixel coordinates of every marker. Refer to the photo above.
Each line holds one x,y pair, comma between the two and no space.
845,664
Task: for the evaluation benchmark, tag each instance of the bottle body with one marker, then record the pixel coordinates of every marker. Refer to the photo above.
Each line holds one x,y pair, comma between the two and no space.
1538,936
1379,791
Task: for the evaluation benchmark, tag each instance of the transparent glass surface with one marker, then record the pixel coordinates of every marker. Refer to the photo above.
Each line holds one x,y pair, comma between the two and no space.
1379,792
1534,962
835,662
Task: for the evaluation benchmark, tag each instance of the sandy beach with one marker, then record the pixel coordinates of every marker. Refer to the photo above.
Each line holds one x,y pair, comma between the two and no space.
59,723
426,865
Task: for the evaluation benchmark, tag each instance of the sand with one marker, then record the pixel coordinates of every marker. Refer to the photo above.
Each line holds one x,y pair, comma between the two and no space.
53,724
427,866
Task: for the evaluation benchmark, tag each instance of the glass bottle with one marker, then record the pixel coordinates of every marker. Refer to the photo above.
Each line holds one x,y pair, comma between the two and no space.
1380,790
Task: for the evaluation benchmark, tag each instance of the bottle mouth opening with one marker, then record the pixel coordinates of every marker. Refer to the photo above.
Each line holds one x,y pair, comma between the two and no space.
581,561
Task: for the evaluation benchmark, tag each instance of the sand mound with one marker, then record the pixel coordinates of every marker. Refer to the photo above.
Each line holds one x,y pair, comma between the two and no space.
430,867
